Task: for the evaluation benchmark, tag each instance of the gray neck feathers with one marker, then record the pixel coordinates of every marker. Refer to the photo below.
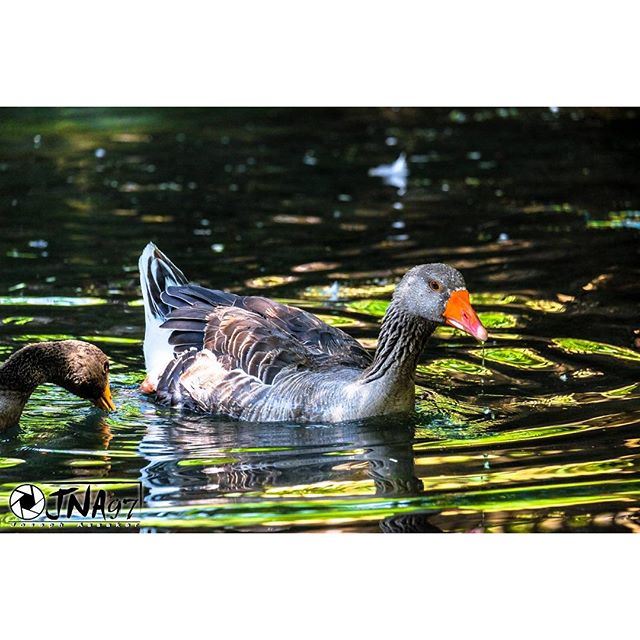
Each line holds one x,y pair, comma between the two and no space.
402,338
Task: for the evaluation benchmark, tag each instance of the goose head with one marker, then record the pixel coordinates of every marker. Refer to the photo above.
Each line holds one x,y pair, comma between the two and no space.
438,293
82,369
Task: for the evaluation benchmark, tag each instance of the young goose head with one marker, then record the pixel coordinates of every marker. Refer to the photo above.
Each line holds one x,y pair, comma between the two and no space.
83,369
437,293
78,367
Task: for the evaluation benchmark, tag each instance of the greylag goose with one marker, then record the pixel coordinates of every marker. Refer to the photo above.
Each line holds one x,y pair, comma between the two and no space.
254,359
78,367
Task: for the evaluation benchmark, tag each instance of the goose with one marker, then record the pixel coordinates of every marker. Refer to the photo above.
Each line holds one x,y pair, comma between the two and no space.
257,360
75,365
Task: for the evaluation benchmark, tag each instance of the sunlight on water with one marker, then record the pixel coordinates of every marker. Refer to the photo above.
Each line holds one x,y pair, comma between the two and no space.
449,366
535,430
54,301
515,357
574,345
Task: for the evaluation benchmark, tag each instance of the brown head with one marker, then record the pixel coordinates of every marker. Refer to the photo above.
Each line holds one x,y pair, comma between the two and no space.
82,369
77,366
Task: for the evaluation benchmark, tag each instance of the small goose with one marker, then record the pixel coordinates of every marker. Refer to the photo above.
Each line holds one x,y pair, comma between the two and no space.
78,367
254,359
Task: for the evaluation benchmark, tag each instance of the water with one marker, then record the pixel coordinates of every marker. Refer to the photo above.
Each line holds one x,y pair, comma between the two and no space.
539,209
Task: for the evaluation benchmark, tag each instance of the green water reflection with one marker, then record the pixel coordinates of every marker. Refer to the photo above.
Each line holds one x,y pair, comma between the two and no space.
537,430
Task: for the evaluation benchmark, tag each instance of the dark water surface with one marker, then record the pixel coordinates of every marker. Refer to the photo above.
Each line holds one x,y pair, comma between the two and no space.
540,209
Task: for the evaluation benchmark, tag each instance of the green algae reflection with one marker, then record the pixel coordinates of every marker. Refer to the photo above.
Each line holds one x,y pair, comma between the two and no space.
520,358
589,347
446,366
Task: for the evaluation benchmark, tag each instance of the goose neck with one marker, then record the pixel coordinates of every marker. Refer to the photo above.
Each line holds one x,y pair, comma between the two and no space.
402,338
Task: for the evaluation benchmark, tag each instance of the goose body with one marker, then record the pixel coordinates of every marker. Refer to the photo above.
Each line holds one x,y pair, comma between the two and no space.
258,360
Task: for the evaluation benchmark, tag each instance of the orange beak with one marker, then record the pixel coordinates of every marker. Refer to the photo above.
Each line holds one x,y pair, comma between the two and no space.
460,314
105,402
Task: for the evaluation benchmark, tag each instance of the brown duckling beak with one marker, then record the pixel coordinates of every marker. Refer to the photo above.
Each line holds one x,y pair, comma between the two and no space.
460,314
105,402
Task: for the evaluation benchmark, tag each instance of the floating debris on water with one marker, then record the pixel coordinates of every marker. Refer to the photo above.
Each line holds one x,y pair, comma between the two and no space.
395,174
310,159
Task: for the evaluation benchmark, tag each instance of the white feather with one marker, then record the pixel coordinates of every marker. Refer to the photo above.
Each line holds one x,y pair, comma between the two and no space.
157,350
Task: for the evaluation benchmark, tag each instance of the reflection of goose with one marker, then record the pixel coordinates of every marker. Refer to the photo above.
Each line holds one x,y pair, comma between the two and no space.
411,523
78,367
251,358
199,461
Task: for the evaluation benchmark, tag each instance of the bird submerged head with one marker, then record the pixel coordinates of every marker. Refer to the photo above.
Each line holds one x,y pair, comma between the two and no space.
81,368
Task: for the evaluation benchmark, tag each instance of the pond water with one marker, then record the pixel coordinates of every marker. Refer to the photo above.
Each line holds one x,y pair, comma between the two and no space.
540,209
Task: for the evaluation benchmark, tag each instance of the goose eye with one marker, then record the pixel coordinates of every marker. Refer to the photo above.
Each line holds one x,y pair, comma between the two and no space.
435,285
106,367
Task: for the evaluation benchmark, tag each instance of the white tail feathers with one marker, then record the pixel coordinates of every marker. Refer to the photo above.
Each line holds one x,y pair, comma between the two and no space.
157,273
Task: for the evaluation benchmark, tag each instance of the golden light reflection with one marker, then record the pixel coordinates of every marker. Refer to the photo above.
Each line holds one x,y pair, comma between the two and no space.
159,219
312,267
347,292
267,282
291,219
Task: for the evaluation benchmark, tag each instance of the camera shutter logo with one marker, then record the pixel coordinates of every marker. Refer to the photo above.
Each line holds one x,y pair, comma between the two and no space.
27,501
